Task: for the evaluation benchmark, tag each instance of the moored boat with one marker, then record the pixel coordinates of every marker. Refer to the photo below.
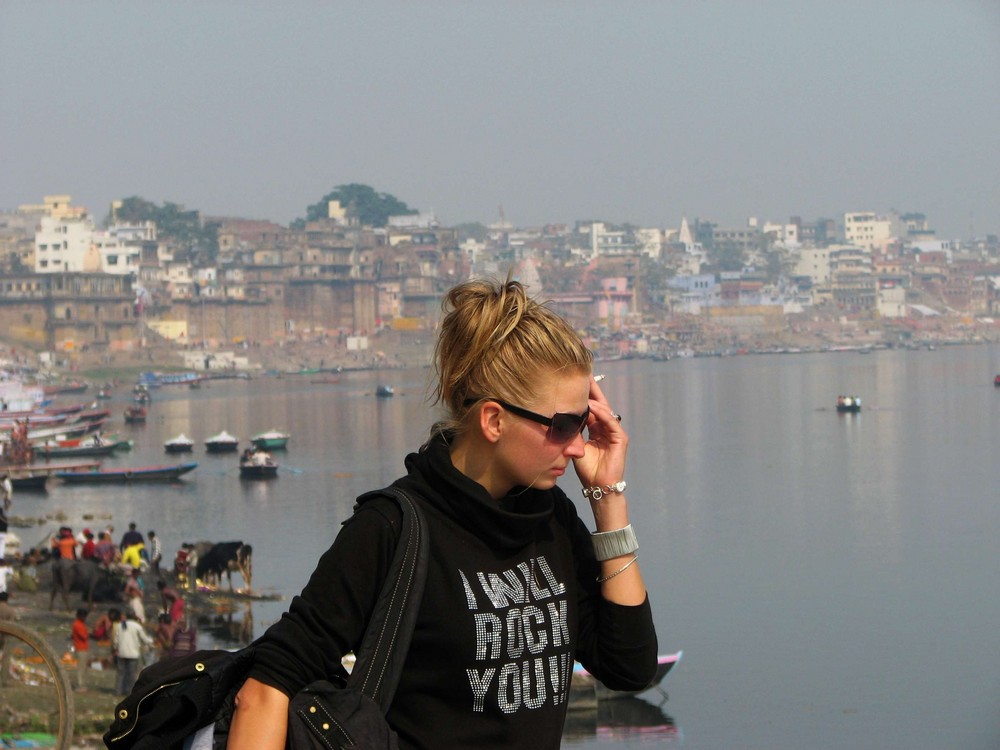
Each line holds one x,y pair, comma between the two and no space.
996,381
164,473
135,414
64,389
849,404
75,451
180,444
385,391
34,476
30,482
91,415
582,679
271,440
222,443
257,465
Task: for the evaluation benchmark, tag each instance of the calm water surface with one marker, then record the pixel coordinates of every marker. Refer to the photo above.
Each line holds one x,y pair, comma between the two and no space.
833,580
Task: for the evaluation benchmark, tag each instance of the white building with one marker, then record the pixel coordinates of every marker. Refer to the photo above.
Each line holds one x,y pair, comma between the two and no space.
868,230
786,235
891,302
63,244
814,262
649,242
120,247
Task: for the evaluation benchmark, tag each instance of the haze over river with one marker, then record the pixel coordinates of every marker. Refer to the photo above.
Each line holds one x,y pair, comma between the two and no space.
833,579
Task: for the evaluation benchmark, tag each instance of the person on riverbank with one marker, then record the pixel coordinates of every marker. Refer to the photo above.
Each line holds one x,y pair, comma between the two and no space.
8,491
104,550
89,549
80,636
517,586
185,639
133,596
8,494
164,634
155,552
130,537
133,641
63,562
171,601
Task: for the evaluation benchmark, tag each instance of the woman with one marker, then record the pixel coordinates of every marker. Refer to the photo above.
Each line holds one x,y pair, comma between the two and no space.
517,587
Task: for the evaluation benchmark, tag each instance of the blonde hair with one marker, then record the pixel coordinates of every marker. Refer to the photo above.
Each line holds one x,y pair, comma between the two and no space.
495,342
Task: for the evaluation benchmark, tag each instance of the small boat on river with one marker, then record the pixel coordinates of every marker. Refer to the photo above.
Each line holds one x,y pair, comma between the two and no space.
81,449
165,473
271,440
222,443
385,391
849,404
34,477
180,444
135,414
257,464
583,681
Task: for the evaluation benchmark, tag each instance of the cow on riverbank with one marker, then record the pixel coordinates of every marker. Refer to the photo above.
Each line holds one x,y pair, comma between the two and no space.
217,558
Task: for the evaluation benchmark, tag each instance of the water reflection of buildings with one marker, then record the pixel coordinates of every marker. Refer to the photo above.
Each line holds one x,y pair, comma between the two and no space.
620,718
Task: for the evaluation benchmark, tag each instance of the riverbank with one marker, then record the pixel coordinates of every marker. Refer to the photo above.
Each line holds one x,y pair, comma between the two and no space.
94,705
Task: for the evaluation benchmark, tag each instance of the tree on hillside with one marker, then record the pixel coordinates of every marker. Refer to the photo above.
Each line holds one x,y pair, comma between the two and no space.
173,223
371,208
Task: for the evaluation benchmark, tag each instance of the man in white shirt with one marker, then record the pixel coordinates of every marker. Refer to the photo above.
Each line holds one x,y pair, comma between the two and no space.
132,640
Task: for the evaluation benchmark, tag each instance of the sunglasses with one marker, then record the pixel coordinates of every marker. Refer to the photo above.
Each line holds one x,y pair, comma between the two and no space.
562,427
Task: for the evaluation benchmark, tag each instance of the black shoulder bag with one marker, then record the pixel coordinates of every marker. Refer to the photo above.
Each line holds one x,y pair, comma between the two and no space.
174,698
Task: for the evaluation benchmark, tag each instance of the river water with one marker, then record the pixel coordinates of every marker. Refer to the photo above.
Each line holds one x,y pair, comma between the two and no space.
833,579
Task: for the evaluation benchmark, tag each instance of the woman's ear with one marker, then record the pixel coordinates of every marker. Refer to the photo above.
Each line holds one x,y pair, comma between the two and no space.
490,422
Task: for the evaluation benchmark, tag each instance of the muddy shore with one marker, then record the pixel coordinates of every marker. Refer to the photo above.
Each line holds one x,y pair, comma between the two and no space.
94,706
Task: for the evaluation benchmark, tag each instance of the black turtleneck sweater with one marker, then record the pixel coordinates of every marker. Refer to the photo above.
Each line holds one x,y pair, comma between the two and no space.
510,601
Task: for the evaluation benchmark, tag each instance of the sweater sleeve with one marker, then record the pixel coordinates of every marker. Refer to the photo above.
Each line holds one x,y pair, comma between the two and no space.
616,643
328,618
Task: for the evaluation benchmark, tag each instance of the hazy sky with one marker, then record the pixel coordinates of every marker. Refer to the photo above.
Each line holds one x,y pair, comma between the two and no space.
638,112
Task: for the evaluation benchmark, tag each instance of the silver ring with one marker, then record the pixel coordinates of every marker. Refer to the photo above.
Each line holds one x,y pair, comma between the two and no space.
617,416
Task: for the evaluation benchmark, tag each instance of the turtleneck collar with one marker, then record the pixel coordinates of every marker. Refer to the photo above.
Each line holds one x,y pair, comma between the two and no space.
510,522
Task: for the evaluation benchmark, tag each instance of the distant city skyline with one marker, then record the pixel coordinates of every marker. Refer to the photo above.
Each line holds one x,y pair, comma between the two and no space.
634,112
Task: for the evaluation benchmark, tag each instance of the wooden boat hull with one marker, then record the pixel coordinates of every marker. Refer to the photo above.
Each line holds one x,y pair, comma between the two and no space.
270,443
135,474
179,448
76,451
269,471
32,482
222,447
583,681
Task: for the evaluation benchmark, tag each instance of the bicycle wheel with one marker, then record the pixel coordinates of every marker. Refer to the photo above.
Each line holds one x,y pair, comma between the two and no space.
30,671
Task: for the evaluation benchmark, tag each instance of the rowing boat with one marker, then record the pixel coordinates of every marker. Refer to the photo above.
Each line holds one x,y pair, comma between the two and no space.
165,473
584,682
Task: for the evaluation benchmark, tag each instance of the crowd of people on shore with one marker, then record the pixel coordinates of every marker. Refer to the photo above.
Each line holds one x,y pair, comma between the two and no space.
140,626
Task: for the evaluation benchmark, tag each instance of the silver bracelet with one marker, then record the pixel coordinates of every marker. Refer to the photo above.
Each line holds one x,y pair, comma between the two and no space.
611,544
622,569
596,493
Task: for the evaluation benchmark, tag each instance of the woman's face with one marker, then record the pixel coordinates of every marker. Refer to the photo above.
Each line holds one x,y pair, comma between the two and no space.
526,456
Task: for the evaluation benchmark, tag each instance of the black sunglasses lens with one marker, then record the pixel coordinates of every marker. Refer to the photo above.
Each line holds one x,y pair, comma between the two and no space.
565,427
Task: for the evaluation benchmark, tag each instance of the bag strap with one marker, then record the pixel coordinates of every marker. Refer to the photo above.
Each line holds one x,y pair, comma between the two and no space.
379,660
